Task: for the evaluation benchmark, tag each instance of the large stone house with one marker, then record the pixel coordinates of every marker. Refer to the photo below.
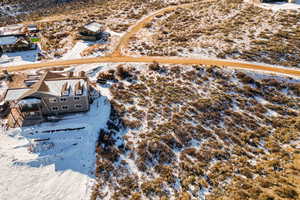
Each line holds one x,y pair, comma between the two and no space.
52,95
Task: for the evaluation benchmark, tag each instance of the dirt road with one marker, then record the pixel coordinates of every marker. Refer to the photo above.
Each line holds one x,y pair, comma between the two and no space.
117,57
141,24
162,60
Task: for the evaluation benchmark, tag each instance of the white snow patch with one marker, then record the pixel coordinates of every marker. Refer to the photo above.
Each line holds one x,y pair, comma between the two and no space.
19,58
74,53
64,170
281,5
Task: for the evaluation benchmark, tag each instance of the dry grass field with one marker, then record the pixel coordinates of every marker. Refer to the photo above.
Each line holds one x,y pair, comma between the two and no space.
188,132
229,29
59,23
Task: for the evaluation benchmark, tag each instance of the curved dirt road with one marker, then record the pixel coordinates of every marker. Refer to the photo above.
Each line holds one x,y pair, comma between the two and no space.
116,56
139,25
162,60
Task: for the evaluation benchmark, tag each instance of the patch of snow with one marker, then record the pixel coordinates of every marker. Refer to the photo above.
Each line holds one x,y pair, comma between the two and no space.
63,170
19,58
203,192
76,51
281,5
261,100
29,101
3,87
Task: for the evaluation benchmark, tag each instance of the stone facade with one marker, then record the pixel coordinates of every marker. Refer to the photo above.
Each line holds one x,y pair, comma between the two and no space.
65,104
52,95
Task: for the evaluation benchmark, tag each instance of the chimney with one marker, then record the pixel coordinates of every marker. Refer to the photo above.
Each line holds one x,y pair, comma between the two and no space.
5,71
81,74
70,74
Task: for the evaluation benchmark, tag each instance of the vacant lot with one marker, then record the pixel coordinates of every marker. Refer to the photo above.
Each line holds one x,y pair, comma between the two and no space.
224,29
188,132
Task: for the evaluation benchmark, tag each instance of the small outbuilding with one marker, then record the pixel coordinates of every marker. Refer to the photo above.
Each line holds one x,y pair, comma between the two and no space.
32,28
92,31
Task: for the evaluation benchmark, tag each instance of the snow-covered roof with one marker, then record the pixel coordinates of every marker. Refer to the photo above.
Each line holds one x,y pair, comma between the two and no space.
8,40
94,27
11,29
50,84
29,101
14,94
32,27
55,86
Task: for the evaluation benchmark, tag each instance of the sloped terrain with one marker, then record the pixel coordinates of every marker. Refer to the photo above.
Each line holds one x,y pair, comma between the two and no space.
231,29
191,132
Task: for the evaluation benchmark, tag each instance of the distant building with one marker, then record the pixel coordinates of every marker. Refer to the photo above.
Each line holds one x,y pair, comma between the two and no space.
274,1
18,38
12,30
32,28
92,31
53,94
15,43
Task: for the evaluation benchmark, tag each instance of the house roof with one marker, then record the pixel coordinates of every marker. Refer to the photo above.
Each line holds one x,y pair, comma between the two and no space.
15,29
32,27
49,84
7,40
94,27
57,86
15,94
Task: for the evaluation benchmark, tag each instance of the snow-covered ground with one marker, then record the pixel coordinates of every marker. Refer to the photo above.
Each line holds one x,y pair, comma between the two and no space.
61,168
76,50
281,5
19,58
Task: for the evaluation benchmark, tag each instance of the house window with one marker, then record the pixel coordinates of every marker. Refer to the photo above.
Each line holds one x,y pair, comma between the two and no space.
78,106
76,98
52,100
65,107
32,113
78,92
63,99
66,93
55,108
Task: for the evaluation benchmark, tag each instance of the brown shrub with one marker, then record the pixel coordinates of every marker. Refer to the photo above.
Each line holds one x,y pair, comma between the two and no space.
153,187
154,66
287,192
133,124
122,72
